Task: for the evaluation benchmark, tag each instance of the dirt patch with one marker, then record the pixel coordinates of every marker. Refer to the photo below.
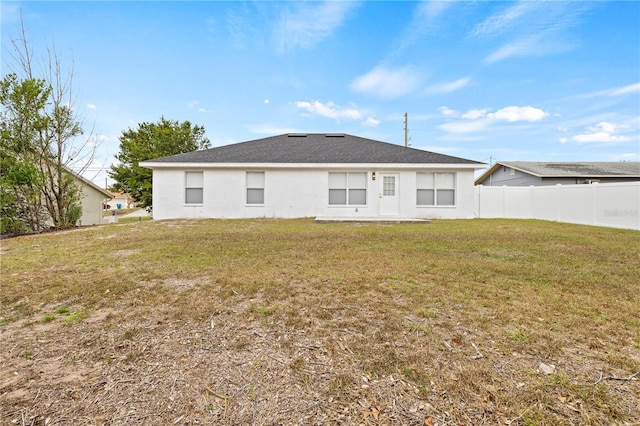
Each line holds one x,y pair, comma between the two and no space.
124,253
243,365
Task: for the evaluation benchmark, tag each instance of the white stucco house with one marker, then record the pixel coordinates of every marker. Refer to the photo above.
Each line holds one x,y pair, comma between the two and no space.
92,200
120,200
313,175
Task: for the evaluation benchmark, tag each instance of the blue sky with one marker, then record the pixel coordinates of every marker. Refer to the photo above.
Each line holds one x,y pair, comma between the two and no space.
483,80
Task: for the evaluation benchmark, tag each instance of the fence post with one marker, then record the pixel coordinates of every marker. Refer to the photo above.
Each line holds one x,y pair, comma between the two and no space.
558,186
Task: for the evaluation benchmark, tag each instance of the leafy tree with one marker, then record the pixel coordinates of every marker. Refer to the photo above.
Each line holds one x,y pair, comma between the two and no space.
21,180
40,145
148,141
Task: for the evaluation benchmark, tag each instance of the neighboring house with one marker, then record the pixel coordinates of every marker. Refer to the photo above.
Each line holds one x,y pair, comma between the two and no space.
312,175
527,173
92,199
120,200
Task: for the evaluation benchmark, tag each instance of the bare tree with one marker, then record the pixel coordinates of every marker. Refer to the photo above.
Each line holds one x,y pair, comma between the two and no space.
59,149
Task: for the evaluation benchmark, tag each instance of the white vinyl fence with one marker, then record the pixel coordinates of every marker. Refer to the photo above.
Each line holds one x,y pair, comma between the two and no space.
616,205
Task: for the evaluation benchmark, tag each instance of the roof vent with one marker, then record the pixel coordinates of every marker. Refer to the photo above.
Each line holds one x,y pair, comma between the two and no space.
335,135
297,135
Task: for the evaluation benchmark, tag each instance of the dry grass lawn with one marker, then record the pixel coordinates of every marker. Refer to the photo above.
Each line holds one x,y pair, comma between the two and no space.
508,322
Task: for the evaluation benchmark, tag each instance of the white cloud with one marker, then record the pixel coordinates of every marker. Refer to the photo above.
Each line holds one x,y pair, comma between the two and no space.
626,90
476,120
100,139
388,83
510,114
194,104
615,91
430,9
521,47
371,122
531,28
514,113
501,22
474,114
92,106
266,101
599,137
563,139
447,112
240,26
329,110
426,18
465,126
309,23
449,87
601,132
606,127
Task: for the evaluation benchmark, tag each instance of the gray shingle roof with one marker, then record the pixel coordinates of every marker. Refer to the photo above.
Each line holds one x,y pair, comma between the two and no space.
314,148
576,169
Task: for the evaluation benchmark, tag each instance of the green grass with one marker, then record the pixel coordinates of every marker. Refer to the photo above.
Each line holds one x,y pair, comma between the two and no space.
134,219
408,300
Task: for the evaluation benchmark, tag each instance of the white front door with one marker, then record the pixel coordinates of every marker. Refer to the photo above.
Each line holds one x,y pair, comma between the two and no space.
389,199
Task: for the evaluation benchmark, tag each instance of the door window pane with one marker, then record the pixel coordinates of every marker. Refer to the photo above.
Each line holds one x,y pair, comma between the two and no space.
389,186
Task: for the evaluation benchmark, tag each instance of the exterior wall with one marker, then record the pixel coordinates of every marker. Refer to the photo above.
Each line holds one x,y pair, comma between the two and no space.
615,205
91,206
503,176
292,193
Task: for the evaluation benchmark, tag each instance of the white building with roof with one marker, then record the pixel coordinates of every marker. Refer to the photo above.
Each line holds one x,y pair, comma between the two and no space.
313,175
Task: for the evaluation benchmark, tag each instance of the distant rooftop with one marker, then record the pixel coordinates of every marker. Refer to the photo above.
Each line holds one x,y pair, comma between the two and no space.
576,169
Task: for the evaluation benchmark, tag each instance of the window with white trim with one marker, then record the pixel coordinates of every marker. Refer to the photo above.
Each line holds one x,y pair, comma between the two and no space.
255,188
193,182
348,189
436,189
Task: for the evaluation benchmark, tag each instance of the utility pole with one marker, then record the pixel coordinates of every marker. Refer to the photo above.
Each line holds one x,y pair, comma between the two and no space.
406,129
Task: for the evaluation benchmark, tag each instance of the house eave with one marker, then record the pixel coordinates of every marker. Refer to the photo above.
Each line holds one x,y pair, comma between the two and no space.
90,184
313,166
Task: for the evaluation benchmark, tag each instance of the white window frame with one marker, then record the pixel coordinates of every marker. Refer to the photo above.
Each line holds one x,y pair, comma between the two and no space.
254,184
193,180
350,186
441,190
